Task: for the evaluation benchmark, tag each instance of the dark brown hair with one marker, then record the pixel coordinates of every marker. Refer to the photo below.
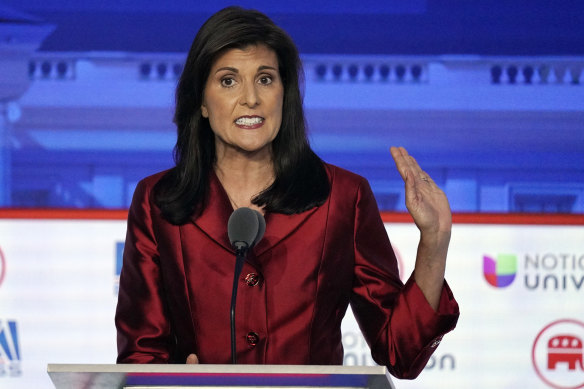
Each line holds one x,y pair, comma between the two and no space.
300,181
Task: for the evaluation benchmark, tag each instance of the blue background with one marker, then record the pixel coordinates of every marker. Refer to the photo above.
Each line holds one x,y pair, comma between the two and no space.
467,92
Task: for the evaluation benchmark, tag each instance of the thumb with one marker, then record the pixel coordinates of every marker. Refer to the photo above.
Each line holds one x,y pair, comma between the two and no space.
192,359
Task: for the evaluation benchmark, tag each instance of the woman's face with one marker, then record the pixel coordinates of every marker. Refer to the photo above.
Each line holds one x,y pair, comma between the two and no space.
243,100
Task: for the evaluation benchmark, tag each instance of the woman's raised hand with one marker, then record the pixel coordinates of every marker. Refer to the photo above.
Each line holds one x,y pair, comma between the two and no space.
430,210
425,201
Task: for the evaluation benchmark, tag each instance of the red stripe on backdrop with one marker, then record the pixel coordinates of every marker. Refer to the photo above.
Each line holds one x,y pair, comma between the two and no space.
497,218
70,214
387,217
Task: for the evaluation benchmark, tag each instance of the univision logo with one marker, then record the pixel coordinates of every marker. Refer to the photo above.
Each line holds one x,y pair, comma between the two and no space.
500,271
540,271
9,349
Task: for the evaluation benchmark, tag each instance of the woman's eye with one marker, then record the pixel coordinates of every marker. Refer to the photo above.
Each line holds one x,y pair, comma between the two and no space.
265,80
227,82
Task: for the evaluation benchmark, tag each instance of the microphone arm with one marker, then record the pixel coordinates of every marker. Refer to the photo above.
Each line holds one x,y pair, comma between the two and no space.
240,254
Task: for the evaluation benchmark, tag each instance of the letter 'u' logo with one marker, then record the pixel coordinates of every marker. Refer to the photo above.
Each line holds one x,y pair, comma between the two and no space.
500,271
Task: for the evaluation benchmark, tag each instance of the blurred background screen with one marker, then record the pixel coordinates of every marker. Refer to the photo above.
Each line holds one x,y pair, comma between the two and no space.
487,95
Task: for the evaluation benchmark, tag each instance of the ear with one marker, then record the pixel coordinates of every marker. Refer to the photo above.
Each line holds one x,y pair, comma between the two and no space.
204,111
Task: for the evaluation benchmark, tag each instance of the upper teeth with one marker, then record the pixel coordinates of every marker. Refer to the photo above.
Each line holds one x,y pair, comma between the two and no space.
249,121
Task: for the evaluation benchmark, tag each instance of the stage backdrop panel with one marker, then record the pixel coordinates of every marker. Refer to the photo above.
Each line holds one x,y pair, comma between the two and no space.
519,287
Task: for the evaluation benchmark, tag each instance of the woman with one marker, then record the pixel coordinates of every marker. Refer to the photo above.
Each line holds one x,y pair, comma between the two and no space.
242,143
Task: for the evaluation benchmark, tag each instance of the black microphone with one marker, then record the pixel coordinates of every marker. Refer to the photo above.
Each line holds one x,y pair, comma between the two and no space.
242,228
245,228
261,228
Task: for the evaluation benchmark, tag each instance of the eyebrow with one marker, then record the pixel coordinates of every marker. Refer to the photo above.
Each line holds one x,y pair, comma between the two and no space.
234,70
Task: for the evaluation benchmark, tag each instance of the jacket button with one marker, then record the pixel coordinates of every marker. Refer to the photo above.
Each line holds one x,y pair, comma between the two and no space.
252,279
252,338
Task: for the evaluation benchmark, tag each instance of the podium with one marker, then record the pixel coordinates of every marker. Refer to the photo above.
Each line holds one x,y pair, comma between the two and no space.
75,376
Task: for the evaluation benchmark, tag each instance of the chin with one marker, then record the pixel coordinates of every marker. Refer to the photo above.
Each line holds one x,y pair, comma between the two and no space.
254,148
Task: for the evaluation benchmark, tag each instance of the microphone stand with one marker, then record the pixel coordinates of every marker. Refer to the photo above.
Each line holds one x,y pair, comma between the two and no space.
240,253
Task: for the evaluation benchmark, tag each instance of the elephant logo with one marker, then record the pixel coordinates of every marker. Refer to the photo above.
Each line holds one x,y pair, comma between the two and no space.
565,349
558,354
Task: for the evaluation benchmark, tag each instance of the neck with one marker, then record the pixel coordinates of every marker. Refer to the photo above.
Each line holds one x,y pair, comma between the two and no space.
244,170
243,177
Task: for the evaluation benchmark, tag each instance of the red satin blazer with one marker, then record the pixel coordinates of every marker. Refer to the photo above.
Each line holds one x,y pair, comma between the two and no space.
176,281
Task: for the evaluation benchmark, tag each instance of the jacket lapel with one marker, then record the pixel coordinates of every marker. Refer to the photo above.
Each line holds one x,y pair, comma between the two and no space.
213,220
278,227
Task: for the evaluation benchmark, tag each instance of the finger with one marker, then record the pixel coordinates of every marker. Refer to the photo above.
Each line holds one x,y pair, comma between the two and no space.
414,166
407,166
425,177
192,359
403,162
400,155
417,172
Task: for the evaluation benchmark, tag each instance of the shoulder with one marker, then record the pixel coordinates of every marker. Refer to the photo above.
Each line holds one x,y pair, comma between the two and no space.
147,184
152,180
352,202
145,187
349,189
342,178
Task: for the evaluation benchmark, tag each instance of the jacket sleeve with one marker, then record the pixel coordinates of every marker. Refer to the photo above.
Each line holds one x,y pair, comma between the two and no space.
143,330
398,323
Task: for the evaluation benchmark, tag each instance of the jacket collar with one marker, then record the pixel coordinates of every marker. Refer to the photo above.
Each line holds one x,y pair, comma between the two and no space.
214,217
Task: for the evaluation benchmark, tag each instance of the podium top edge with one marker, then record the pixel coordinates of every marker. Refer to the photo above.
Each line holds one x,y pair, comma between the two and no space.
206,368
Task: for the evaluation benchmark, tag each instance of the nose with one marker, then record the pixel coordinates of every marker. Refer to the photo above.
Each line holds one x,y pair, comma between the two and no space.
249,95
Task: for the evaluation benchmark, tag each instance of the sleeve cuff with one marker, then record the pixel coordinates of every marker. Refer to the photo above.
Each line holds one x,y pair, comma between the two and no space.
437,322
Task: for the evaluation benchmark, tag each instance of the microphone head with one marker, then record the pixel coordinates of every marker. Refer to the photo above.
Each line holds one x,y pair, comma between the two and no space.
261,227
242,228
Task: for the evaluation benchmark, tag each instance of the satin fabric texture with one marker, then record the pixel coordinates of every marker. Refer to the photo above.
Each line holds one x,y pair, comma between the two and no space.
296,285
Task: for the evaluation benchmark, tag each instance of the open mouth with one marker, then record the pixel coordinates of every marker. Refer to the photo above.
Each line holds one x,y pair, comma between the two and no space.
248,121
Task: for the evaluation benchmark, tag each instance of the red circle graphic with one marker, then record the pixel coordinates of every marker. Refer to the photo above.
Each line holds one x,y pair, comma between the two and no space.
533,357
400,264
2,267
